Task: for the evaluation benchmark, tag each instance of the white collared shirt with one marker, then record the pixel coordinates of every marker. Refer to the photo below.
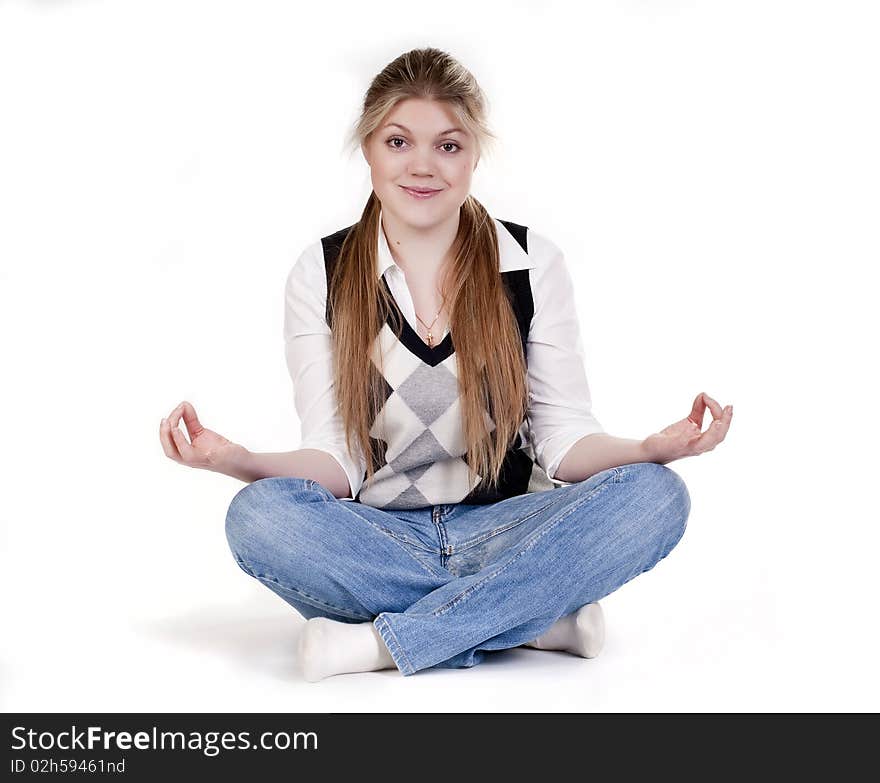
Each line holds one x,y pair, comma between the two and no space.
560,405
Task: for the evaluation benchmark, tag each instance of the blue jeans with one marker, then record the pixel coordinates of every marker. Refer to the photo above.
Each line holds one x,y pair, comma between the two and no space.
445,584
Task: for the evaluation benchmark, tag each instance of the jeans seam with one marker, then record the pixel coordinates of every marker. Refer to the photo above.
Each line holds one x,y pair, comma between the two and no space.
438,572
504,528
462,596
311,600
311,484
399,540
393,645
404,539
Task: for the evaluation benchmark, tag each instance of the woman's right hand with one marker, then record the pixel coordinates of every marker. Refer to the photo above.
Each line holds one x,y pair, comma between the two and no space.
208,449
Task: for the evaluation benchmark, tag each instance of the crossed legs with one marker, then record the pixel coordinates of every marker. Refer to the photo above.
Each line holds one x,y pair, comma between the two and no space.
376,595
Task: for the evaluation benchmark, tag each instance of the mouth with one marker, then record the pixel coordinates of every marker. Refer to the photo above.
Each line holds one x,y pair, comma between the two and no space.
420,193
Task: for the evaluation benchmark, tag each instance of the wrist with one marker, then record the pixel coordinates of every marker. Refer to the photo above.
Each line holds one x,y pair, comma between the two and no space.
649,449
236,462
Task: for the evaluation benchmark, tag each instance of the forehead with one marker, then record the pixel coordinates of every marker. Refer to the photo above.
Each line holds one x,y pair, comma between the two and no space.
422,116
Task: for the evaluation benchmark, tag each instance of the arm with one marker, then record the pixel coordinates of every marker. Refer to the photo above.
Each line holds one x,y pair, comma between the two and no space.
322,451
560,404
597,452
684,438
323,455
211,451
570,443
304,463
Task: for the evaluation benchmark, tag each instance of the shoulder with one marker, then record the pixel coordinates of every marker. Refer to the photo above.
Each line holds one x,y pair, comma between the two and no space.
318,257
524,247
544,250
332,243
308,268
323,249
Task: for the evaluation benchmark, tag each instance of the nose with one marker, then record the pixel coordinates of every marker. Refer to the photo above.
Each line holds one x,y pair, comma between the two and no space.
421,165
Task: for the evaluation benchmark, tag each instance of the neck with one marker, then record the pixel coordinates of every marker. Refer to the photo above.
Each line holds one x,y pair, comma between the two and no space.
421,252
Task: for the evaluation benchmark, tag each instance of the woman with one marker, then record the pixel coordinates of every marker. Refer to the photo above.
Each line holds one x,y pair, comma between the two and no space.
412,527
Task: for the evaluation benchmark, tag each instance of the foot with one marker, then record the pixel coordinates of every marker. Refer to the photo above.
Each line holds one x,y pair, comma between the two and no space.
328,647
580,633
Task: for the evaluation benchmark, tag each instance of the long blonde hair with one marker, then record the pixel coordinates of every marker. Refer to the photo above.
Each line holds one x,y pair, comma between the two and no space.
488,347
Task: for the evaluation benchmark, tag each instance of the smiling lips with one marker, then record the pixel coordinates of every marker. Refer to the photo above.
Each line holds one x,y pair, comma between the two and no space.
420,193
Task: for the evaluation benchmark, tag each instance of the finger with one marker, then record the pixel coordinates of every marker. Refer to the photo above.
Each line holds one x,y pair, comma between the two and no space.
174,416
167,445
714,407
716,432
697,410
174,421
187,452
191,420
724,422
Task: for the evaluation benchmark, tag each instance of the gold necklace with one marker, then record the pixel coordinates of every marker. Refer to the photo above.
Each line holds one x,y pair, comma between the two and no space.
430,336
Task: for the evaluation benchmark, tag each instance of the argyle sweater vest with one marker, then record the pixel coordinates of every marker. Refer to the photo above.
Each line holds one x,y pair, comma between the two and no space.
418,435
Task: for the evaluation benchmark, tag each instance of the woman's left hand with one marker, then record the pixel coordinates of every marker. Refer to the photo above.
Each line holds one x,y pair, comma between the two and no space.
685,438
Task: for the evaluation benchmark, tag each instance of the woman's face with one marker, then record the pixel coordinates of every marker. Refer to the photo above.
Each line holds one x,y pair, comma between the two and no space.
421,144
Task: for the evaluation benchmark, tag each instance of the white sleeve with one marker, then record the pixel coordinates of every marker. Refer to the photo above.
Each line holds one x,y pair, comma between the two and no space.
308,350
560,406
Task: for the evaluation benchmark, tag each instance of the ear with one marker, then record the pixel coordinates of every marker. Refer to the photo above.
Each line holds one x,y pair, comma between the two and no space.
365,152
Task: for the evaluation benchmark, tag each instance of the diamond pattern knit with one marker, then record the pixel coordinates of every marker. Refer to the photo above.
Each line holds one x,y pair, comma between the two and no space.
418,434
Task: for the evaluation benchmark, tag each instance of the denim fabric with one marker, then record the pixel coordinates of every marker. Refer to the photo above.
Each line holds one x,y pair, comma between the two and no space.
444,585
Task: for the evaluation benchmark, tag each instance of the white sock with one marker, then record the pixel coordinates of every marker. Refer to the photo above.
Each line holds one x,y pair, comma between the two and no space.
580,633
329,647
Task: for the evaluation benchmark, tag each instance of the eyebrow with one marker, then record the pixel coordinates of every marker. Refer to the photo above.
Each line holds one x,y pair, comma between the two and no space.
407,130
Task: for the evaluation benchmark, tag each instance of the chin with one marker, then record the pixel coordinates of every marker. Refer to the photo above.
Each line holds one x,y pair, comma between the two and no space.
426,212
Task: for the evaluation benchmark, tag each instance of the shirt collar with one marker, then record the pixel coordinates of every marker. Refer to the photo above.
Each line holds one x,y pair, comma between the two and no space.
511,254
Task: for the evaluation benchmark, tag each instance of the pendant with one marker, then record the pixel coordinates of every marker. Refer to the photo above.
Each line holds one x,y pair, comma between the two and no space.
430,339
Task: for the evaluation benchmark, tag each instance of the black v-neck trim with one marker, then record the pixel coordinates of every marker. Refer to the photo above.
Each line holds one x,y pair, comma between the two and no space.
516,281
412,341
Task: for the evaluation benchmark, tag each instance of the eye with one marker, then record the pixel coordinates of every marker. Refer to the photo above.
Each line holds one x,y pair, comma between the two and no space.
445,144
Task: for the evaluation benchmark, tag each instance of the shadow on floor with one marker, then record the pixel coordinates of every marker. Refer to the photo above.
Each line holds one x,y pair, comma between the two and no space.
258,639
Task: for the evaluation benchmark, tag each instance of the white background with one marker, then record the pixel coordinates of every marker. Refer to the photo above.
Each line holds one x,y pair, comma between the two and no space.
710,170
